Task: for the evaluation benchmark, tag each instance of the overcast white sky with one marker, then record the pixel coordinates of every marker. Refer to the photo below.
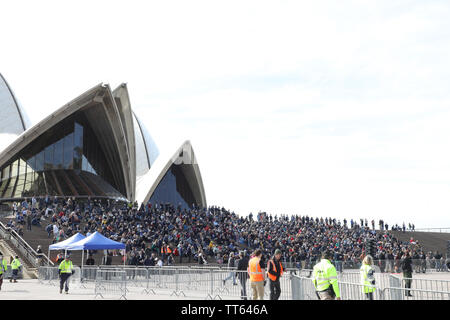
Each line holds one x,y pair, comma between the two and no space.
325,108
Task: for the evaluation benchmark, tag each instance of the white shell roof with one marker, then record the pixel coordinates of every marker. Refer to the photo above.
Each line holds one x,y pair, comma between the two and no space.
150,166
14,119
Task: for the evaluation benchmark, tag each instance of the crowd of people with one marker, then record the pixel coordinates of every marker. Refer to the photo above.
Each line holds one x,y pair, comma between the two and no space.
167,234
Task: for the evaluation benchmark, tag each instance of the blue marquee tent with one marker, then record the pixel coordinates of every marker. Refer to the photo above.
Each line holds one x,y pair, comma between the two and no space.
96,241
64,244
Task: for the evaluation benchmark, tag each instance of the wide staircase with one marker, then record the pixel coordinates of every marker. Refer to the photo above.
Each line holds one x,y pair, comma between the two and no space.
430,241
38,236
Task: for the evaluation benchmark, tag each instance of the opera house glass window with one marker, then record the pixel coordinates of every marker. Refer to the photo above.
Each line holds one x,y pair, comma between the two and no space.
174,188
65,160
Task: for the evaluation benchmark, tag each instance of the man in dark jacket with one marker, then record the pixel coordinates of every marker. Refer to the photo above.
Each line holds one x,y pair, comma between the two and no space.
242,274
29,220
406,265
275,271
90,261
107,259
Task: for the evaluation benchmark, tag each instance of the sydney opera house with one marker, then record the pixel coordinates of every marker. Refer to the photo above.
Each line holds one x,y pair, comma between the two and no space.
94,146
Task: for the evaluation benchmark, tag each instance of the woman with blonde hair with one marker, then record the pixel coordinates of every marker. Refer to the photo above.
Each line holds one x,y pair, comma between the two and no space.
368,277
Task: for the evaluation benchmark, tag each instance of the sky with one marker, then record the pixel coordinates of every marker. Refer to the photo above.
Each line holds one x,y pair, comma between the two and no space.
322,108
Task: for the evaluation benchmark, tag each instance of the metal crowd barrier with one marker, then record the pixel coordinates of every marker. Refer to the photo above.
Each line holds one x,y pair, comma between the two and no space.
427,284
110,282
303,289
8,273
355,291
416,294
215,283
381,279
48,275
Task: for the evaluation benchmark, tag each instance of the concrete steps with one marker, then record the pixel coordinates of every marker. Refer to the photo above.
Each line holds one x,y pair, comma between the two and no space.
28,271
38,236
430,241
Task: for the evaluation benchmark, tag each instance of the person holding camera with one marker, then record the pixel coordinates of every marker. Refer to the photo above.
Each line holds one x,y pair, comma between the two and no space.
65,271
325,278
368,277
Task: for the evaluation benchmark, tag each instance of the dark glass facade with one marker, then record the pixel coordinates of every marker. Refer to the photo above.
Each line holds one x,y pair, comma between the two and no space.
174,188
66,160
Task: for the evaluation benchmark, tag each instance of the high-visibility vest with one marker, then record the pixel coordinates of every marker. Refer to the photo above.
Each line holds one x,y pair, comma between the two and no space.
66,266
3,266
169,251
324,276
15,264
271,276
254,270
367,278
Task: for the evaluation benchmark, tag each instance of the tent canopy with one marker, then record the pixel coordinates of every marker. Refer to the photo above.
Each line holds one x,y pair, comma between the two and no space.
96,241
64,244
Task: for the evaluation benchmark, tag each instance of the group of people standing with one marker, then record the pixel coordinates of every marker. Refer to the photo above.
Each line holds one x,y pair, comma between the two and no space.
325,277
258,272
15,266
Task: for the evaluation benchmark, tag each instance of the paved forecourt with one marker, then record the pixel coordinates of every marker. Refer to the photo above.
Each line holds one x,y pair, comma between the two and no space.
31,289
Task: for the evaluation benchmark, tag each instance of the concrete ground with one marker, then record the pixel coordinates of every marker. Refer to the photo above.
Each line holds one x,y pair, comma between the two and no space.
32,289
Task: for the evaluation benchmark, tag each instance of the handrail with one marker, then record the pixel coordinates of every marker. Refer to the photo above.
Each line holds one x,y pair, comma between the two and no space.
21,243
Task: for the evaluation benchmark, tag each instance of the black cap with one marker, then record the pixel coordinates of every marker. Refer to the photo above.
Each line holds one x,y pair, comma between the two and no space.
327,254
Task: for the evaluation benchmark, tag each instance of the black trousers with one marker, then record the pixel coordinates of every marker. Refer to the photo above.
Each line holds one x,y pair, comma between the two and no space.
275,290
369,295
408,282
243,281
64,280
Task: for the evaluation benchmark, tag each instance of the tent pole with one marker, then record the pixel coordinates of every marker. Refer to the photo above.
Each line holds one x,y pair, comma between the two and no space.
81,270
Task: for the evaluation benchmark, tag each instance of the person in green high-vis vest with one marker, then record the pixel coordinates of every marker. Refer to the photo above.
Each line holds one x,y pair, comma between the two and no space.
367,273
325,278
15,265
65,271
3,268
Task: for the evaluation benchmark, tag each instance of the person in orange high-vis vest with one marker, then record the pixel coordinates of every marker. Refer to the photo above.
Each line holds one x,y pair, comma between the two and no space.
274,272
257,272
163,251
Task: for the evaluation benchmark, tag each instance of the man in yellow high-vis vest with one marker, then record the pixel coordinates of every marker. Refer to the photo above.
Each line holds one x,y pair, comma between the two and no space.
325,278
15,265
65,271
367,277
3,268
